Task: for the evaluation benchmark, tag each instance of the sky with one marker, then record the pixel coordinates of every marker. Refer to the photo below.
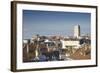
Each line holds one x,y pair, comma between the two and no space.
54,23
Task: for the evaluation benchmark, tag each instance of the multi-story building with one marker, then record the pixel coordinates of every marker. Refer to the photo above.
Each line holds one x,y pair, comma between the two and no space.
77,31
75,43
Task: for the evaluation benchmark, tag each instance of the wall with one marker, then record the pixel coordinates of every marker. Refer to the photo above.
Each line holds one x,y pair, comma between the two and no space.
5,36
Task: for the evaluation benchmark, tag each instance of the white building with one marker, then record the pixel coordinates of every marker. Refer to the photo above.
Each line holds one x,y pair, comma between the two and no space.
25,41
77,31
74,43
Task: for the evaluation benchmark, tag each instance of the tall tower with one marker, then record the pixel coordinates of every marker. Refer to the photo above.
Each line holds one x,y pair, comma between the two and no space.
77,31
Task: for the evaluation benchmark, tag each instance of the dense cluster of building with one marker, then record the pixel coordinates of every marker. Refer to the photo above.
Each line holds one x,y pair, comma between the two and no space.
55,48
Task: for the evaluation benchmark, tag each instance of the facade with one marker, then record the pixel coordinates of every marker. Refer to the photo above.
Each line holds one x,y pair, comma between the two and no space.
76,31
74,43
25,41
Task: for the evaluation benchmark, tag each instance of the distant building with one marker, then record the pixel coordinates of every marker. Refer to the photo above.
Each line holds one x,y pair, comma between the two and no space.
26,41
74,43
76,31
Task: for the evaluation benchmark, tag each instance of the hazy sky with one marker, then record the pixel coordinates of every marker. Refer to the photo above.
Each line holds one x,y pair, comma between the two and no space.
54,23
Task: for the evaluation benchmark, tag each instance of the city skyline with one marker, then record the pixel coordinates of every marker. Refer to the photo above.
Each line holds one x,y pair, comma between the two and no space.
54,23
